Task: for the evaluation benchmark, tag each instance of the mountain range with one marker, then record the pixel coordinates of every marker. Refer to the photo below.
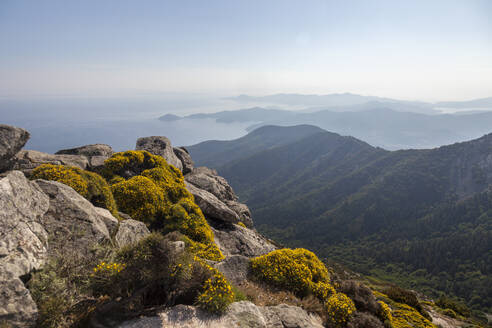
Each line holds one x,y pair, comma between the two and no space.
422,218
388,125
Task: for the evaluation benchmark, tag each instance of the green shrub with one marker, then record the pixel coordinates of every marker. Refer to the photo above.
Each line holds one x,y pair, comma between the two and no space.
407,297
448,303
150,190
140,198
88,184
217,293
130,163
339,308
298,270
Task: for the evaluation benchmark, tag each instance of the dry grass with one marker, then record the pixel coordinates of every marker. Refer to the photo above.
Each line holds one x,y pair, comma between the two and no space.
262,294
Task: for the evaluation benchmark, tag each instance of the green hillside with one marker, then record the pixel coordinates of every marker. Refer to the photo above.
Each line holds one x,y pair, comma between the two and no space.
422,218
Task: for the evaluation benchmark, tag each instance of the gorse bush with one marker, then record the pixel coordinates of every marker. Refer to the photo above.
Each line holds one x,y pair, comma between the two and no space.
408,297
217,293
152,191
400,315
140,198
152,272
339,308
131,163
88,184
298,270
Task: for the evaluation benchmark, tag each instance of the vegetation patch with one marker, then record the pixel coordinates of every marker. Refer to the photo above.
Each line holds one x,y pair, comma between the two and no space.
88,184
152,191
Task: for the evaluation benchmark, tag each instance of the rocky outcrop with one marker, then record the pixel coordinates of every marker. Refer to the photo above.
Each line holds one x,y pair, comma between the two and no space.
160,146
28,160
211,206
184,156
235,268
239,315
109,220
236,240
88,150
96,154
130,232
242,210
12,139
23,245
72,222
208,180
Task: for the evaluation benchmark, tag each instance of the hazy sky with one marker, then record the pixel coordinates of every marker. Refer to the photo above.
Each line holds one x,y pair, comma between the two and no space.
426,50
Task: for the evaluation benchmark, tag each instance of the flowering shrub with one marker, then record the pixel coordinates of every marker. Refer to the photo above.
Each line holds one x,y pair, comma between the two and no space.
217,293
140,198
90,185
298,270
385,312
403,315
152,191
339,308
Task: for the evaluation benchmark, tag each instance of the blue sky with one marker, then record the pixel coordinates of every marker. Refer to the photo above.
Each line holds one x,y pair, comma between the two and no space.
426,50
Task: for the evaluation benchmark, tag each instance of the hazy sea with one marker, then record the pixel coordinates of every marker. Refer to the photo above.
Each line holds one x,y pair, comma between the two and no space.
57,123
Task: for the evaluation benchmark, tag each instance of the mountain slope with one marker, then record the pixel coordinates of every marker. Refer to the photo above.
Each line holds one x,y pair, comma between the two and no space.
371,208
216,153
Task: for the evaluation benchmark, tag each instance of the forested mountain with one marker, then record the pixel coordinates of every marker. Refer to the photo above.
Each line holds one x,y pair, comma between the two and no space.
216,153
421,217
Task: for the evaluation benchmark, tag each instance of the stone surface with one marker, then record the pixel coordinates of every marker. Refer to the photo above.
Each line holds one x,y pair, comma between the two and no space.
160,146
242,210
72,222
185,158
12,139
207,179
211,206
130,232
109,220
27,160
23,245
239,315
88,151
235,268
236,240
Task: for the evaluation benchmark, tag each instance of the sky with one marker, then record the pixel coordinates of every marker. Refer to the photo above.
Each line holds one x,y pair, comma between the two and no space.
415,50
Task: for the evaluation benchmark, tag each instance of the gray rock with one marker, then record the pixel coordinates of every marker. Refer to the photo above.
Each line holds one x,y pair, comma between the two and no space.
96,154
95,162
88,151
239,315
72,222
160,146
242,241
109,220
242,210
211,206
28,160
235,268
130,232
185,159
23,245
207,179
124,216
12,139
